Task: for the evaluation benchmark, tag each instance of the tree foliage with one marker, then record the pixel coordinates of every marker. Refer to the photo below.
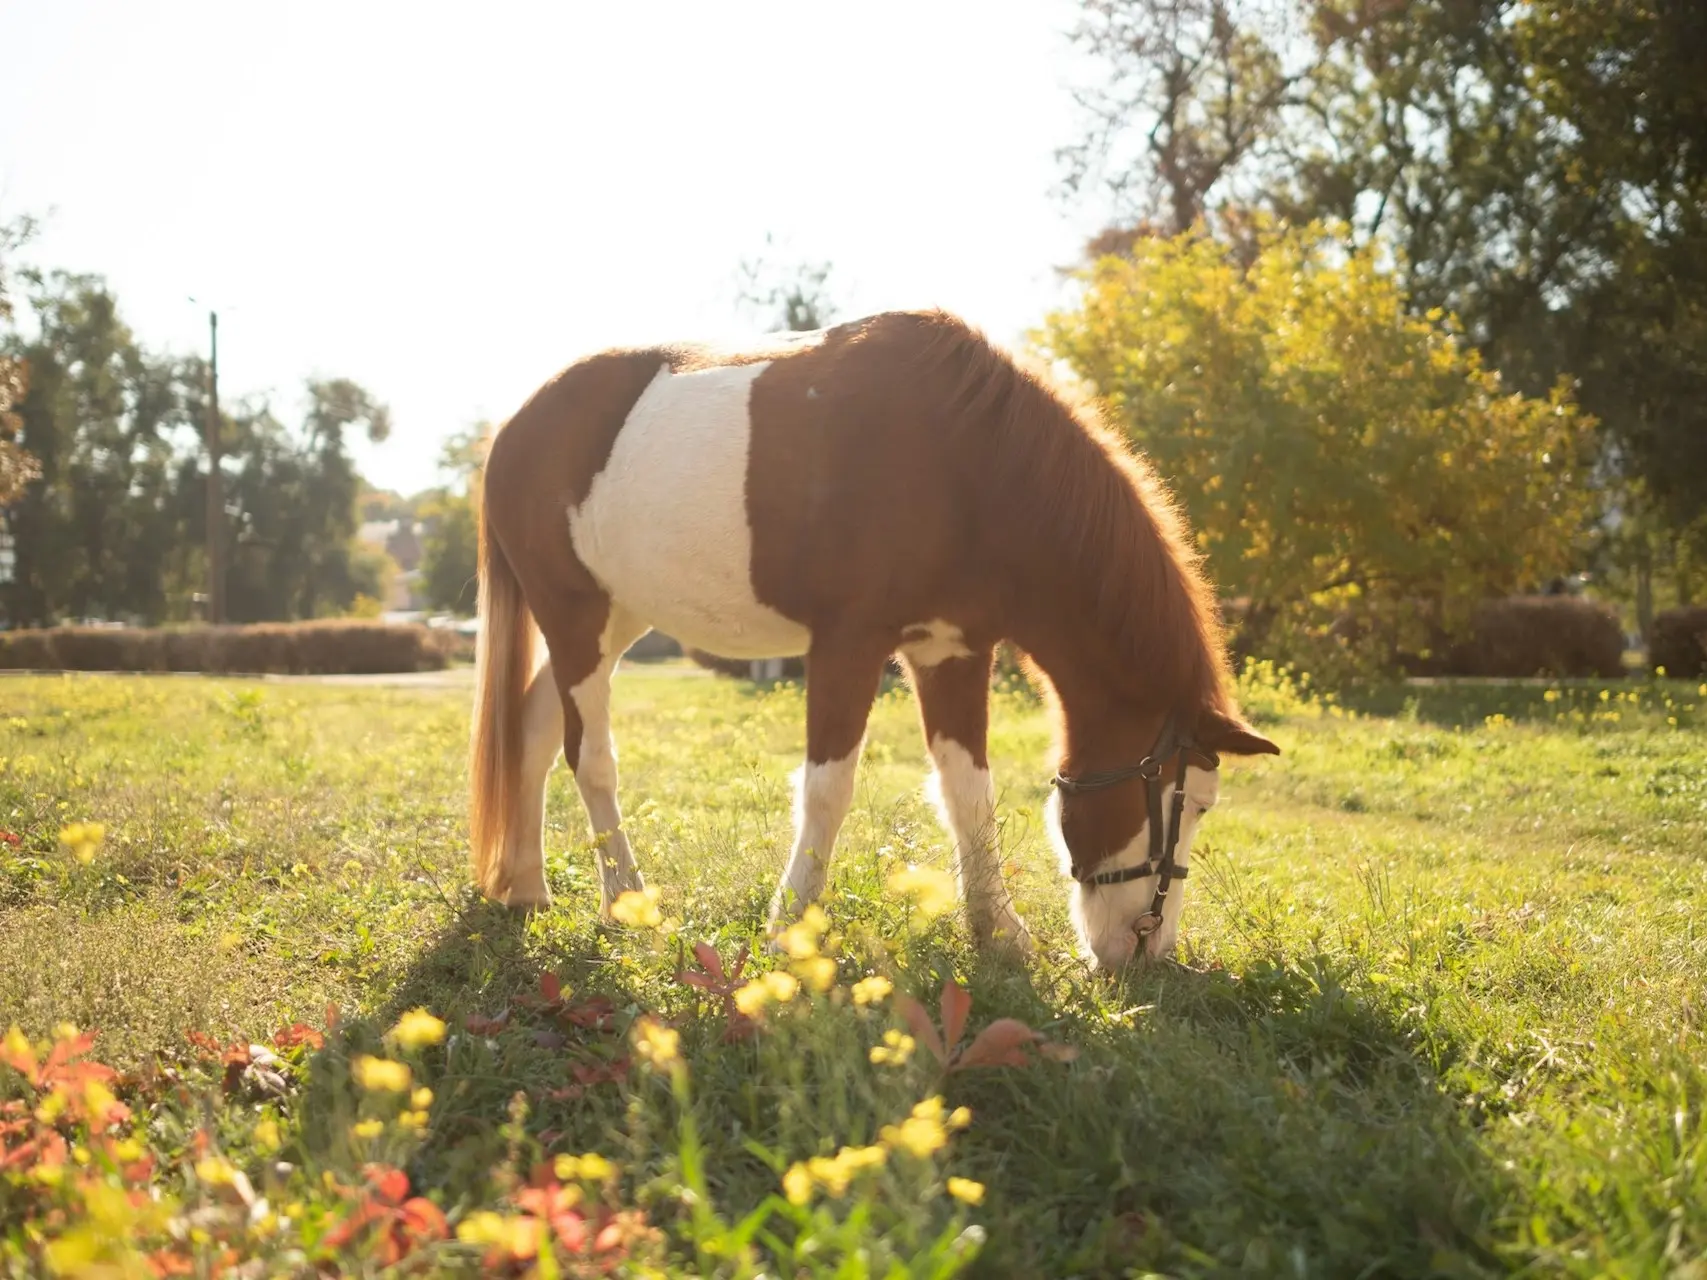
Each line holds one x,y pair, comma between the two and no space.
17,467
115,526
1536,167
449,559
1351,469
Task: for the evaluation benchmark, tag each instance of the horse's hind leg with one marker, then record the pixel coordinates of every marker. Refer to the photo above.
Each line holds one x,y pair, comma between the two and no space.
954,705
542,739
587,743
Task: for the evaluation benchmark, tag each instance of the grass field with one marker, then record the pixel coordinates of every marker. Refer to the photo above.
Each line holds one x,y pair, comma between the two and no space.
1439,1010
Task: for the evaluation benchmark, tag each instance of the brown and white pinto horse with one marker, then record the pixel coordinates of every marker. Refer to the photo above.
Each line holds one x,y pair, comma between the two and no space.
893,485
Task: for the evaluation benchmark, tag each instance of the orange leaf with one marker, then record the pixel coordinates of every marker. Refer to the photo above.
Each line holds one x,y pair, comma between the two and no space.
298,1033
924,1030
423,1219
550,988
956,1004
391,1184
1000,1044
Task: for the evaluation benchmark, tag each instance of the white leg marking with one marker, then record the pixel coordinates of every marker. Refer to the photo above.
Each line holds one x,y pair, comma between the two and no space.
595,771
542,743
823,794
965,797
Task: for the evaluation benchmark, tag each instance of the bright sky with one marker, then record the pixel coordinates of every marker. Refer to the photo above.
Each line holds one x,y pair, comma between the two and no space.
449,208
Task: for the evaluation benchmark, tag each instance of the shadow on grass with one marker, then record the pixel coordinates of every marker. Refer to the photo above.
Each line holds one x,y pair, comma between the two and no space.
1276,1120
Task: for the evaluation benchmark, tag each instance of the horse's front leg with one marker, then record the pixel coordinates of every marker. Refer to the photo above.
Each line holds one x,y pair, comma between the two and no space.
954,706
842,675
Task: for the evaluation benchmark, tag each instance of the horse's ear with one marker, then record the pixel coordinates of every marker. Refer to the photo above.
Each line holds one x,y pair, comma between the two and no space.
1231,736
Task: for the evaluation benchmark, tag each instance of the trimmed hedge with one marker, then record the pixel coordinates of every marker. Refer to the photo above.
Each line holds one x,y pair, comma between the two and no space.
300,648
1678,642
1539,636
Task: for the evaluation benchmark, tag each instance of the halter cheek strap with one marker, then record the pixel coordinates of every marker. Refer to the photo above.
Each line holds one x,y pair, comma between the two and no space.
1164,837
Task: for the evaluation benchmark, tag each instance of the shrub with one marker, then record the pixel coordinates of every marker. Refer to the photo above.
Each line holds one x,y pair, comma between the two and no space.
306,648
1336,452
1678,642
1539,636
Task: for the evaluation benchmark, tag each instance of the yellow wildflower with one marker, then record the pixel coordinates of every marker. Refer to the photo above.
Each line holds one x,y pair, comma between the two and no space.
966,1191
752,997
83,839
216,1171
896,1048
817,972
638,908
421,1099
872,990
518,1236
782,987
381,1074
960,1117
931,890
797,1184
591,1167
800,939
417,1029
416,1120
920,1134
267,1134
658,1044
366,1129
128,1151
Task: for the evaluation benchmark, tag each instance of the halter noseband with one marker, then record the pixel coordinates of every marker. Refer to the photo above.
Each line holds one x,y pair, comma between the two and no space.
1163,846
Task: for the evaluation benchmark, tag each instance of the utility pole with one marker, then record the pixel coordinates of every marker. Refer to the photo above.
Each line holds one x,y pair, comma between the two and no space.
215,485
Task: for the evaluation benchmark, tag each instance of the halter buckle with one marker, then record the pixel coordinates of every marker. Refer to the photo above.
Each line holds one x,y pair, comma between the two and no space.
1148,923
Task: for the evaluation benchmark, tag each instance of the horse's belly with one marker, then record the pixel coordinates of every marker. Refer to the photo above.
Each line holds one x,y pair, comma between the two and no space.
664,526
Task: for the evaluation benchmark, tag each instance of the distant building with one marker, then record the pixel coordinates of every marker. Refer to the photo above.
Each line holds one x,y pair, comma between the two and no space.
401,540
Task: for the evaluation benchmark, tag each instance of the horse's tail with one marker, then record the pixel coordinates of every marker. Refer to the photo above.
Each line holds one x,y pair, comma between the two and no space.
502,667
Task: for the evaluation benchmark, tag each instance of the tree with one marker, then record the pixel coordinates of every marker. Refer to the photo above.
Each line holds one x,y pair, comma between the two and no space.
1350,469
795,297
17,467
449,560
1536,167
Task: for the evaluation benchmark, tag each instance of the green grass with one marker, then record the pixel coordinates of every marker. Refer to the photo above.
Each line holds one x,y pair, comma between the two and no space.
1438,1012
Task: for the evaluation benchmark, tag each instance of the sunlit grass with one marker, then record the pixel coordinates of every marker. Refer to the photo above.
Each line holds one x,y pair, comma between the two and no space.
1439,1011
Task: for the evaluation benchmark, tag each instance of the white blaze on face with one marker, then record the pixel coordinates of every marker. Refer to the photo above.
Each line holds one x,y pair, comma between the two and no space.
1106,916
664,526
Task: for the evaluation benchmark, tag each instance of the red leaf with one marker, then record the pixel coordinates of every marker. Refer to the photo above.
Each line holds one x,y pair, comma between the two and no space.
550,988
298,1033
704,981
998,1045
924,1030
596,1013
479,1026
11,837
956,1004
708,959
391,1184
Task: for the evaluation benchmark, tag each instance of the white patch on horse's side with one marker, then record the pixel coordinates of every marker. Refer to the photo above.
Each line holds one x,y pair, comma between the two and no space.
965,797
822,795
664,526
1106,916
929,644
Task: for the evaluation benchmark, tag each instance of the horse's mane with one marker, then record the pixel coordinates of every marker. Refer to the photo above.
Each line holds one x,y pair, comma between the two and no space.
1062,479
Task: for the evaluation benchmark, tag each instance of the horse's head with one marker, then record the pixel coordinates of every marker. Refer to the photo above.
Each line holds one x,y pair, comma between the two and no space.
1124,827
